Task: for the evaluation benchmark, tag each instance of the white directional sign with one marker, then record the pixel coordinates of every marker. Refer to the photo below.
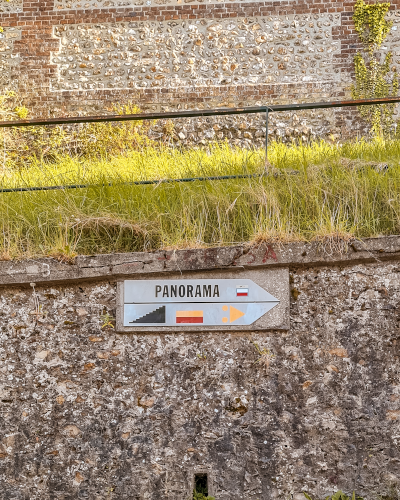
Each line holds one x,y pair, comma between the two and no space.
218,302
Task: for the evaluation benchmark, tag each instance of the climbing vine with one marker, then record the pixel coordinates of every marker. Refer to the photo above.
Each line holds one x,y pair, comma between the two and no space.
374,77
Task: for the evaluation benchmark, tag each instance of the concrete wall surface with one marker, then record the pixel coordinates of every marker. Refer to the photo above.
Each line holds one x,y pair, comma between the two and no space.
90,413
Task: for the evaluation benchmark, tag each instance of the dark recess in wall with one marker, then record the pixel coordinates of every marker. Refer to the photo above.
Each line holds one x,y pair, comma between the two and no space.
201,484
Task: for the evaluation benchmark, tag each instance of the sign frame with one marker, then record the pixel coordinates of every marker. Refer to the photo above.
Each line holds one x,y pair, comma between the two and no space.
274,281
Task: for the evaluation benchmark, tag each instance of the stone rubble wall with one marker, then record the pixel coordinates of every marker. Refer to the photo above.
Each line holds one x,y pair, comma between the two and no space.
196,53
90,413
9,60
249,130
11,5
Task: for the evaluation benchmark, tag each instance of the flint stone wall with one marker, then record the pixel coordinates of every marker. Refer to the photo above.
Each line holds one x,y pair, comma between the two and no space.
90,413
205,53
80,56
11,6
9,61
196,53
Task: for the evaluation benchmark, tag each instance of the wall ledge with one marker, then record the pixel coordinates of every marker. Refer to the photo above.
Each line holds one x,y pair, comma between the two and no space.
264,255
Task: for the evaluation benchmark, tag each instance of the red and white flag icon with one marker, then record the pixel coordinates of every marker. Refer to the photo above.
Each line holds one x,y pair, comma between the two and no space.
242,291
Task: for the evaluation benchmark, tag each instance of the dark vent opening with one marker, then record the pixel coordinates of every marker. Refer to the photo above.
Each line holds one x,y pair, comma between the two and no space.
201,484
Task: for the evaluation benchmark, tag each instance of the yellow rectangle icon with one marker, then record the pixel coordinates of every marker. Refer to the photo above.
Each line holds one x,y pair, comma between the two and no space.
189,314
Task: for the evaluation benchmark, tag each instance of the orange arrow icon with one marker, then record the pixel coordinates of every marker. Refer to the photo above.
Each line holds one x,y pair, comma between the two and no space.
234,314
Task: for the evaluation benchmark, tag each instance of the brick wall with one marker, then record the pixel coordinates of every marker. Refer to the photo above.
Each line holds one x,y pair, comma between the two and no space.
70,56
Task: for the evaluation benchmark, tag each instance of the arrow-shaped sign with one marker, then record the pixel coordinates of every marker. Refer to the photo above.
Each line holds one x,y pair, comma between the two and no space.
194,302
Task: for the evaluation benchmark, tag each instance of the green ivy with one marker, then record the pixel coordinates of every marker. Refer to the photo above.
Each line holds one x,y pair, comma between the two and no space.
201,496
371,25
374,78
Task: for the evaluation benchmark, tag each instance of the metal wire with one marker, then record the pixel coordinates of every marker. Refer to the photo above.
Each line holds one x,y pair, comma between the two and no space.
198,113
136,183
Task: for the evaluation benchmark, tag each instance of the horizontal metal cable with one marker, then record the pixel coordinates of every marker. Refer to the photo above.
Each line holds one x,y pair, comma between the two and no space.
136,183
198,113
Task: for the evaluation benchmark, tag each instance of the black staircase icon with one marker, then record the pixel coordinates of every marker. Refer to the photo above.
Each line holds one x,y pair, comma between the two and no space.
156,316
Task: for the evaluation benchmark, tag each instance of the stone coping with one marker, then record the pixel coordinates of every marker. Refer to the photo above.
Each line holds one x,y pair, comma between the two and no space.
264,255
